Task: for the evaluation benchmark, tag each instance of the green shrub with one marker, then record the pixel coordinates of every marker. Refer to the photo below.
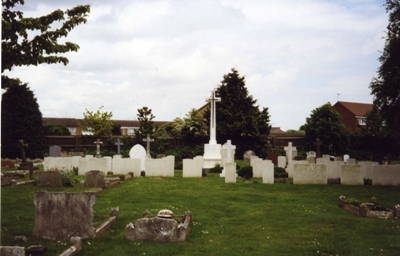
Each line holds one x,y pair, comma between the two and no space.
179,166
216,169
280,172
246,172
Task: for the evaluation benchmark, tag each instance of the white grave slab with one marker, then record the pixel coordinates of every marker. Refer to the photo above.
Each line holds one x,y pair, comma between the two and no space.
386,175
267,172
193,167
366,166
351,174
161,167
257,164
138,152
89,164
290,168
60,163
126,165
334,169
230,173
309,174
227,155
282,161
109,163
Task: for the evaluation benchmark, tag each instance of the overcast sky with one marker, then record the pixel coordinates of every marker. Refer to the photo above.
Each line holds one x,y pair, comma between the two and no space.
296,55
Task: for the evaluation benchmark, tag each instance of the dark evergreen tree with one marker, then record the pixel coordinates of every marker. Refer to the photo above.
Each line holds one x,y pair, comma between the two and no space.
55,129
326,124
239,119
21,119
386,87
145,118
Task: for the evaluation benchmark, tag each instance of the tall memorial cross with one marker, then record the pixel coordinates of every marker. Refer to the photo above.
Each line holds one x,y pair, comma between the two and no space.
98,143
118,144
213,117
148,140
289,152
22,147
317,145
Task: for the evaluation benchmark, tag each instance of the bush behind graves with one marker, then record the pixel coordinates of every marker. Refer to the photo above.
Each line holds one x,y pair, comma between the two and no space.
216,169
280,172
246,172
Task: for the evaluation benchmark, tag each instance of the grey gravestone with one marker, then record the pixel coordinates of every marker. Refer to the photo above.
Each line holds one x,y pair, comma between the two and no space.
247,155
55,151
118,144
95,179
61,215
49,179
12,250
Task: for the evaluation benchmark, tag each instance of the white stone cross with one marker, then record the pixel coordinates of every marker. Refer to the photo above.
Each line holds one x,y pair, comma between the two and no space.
289,152
213,116
118,144
148,140
98,143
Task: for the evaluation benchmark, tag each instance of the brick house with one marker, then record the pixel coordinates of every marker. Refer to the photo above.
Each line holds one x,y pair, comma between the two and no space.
353,113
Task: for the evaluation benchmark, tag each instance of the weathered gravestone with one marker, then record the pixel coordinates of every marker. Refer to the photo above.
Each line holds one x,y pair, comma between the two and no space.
12,250
54,151
95,179
118,144
138,152
62,215
227,155
49,179
98,143
247,155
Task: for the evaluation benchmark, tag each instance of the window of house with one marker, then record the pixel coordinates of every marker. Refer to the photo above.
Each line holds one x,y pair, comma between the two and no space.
362,120
72,130
131,131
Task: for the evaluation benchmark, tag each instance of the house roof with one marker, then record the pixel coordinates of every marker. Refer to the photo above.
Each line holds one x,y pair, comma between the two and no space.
75,122
358,109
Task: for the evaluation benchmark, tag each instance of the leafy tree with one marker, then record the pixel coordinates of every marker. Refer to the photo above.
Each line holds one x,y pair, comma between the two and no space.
55,129
20,48
386,87
145,118
21,119
171,129
98,122
238,117
325,123
194,127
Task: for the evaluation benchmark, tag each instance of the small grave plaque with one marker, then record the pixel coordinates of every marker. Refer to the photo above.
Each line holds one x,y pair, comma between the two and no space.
55,151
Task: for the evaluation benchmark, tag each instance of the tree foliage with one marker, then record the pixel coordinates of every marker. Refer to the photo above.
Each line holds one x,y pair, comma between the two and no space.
386,87
21,119
55,129
239,119
326,124
145,118
20,48
98,122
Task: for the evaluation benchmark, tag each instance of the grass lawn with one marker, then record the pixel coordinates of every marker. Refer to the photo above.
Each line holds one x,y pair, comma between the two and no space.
229,219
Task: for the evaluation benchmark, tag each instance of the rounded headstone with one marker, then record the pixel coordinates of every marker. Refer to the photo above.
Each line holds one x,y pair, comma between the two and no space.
247,155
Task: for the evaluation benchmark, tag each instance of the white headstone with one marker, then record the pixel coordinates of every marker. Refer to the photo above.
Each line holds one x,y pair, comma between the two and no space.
345,157
290,152
138,152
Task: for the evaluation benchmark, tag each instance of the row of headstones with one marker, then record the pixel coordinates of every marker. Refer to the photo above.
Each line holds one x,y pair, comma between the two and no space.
349,173
154,167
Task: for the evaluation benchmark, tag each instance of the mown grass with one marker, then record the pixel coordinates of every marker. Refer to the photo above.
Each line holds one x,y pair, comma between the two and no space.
228,219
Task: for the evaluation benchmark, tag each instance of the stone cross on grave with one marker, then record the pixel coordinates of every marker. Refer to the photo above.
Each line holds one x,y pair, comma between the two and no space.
289,152
148,140
22,146
269,146
229,150
98,143
118,144
317,144
213,116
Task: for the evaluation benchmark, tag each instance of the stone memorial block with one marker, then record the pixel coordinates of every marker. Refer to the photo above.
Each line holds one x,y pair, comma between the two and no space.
109,163
351,174
54,151
311,159
49,179
351,161
252,158
126,165
12,250
159,229
59,163
267,172
138,152
75,161
334,169
193,167
386,175
163,167
257,164
95,179
366,167
247,155
290,167
62,215
282,161
89,163
309,174
230,173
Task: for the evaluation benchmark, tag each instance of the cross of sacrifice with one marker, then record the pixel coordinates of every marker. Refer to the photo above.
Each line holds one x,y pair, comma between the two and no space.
317,144
213,119
98,142
118,144
148,140
22,146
